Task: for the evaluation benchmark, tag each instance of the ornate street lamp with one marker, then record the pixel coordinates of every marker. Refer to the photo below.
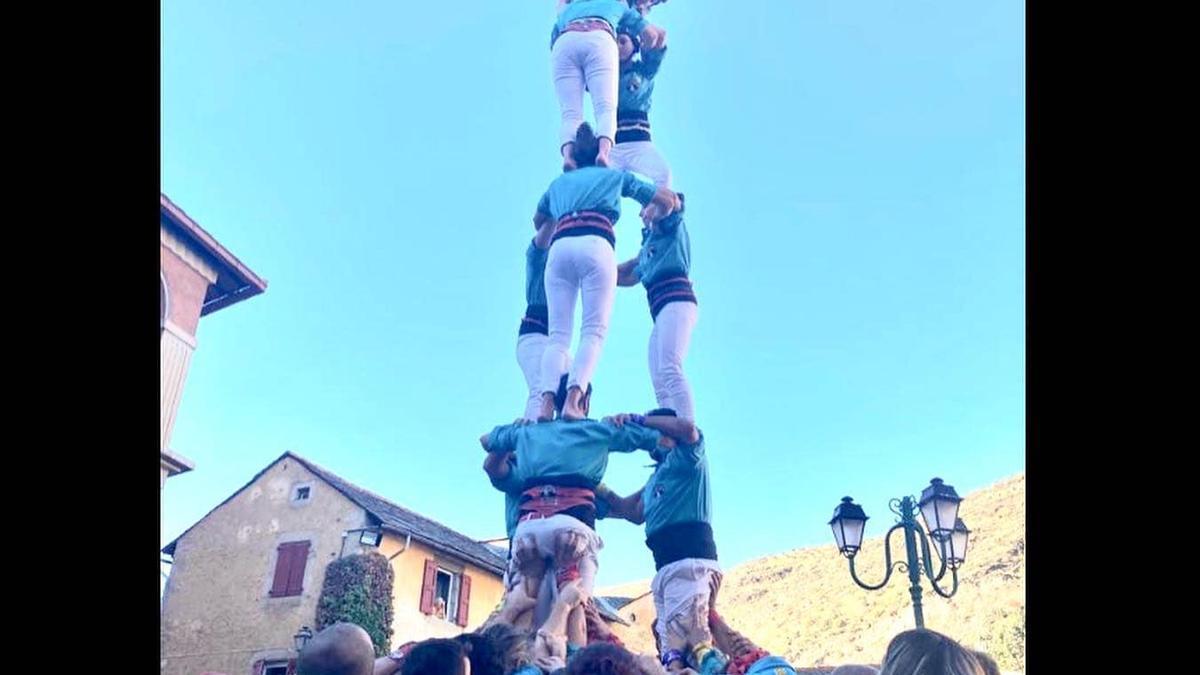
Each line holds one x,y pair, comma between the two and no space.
939,509
301,639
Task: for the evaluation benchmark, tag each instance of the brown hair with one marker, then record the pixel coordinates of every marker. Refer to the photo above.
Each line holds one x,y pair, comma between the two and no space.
603,659
927,652
586,146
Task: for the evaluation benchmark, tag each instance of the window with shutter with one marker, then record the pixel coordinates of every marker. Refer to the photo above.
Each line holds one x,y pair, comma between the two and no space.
427,584
291,559
295,582
464,600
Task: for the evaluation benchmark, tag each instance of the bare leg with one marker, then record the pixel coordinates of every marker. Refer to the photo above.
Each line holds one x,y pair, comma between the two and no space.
741,651
569,549
516,603
597,627
577,627
550,643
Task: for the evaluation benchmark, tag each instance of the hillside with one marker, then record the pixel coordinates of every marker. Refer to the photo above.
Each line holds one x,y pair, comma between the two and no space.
803,604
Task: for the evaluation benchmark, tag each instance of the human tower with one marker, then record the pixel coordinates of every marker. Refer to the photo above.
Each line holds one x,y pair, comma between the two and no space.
550,463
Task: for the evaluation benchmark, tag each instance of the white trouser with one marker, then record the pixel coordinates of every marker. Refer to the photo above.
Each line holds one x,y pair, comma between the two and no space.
677,587
545,530
585,265
586,59
530,348
642,157
669,340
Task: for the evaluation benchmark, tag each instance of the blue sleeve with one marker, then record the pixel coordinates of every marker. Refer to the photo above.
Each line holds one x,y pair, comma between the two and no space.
631,22
544,204
503,439
633,437
637,188
651,61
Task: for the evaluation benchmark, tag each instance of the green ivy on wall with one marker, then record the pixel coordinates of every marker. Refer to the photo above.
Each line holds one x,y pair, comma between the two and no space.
358,590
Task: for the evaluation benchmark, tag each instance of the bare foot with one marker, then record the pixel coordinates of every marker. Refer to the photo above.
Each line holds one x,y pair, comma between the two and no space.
546,413
602,159
572,408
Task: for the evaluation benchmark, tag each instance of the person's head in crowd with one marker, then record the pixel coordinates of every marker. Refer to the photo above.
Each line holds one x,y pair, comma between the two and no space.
854,669
438,657
340,649
989,665
927,652
603,659
498,649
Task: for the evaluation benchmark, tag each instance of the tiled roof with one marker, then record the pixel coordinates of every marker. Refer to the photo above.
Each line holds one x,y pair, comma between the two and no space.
394,518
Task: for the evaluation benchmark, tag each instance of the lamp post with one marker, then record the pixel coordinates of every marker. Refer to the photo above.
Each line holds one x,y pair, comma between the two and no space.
938,507
301,639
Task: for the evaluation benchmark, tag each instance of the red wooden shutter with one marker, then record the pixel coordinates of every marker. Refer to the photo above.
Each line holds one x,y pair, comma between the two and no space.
283,559
257,668
427,585
295,579
464,599
291,667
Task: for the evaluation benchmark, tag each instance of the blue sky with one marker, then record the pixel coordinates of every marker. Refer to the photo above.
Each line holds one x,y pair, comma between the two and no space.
855,183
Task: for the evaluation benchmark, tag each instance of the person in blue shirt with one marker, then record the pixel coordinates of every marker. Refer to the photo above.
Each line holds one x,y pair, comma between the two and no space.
584,204
557,467
583,51
533,332
662,266
634,150
676,507
518,603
